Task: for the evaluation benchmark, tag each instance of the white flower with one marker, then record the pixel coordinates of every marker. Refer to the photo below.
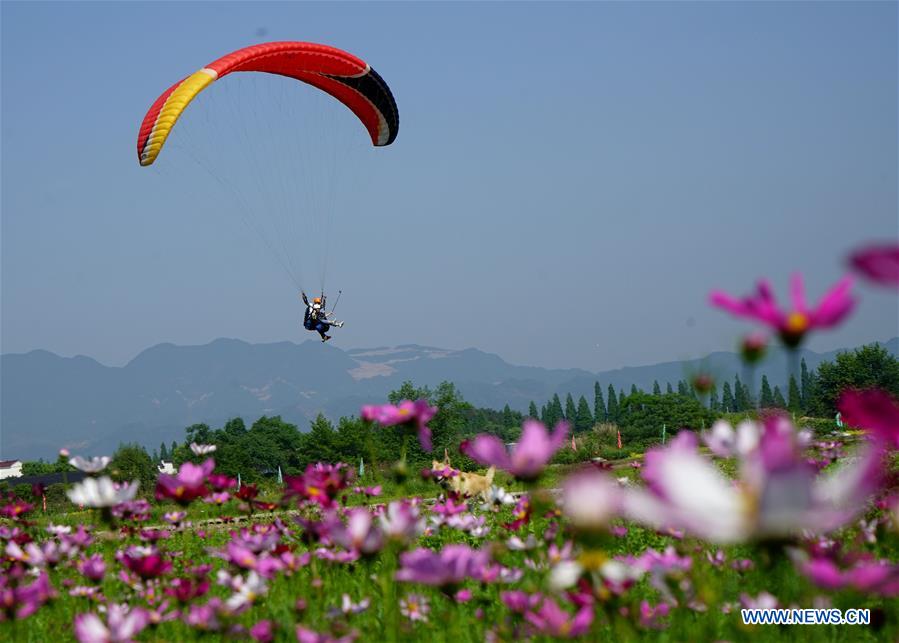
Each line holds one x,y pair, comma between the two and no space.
247,592
515,543
58,530
590,499
725,442
497,496
94,465
101,492
202,449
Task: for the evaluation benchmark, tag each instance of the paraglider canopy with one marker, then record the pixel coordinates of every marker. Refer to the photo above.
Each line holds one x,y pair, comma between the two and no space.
347,78
279,154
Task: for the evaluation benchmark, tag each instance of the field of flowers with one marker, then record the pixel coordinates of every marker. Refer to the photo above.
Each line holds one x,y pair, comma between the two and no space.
672,545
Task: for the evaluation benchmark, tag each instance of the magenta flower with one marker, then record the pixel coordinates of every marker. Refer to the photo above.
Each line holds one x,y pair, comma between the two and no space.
417,413
15,508
185,590
189,484
221,482
360,534
778,493
122,625
305,635
402,522
870,576
879,263
320,484
590,499
874,410
93,568
263,631
146,562
24,600
791,325
552,620
535,448
444,569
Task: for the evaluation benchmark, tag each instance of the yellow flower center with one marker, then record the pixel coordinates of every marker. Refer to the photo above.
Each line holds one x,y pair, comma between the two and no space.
592,559
797,323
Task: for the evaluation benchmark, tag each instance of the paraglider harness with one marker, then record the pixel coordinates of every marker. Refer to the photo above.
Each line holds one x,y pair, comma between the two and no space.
317,318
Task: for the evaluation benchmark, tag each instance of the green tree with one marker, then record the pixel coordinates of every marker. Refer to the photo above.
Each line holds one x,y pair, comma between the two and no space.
599,404
584,419
532,411
320,444
132,462
727,399
163,452
870,366
199,433
805,384
794,397
683,388
634,390
556,413
613,405
235,428
570,409
741,396
714,405
408,391
508,419
778,399
766,398
645,414
656,389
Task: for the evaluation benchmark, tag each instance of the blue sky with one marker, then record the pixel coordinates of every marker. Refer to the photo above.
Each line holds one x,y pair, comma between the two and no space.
568,183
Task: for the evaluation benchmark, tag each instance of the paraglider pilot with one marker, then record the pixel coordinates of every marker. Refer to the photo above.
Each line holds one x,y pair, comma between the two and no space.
316,318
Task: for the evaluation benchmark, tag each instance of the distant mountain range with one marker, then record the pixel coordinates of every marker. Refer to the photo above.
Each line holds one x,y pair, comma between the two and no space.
48,401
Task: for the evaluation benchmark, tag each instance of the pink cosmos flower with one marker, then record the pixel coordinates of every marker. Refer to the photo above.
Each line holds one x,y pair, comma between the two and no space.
305,635
146,562
520,602
446,568
552,620
320,484
360,534
24,600
402,522
15,508
221,482
869,576
417,413
93,568
535,448
791,325
415,607
122,625
874,410
189,484
590,499
879,263
650,616
778,493
185,590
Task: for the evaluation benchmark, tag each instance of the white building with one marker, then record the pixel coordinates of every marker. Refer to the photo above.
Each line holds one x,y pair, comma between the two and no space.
10,469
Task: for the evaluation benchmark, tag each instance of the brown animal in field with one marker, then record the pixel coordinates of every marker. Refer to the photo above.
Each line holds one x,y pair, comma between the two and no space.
462,482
